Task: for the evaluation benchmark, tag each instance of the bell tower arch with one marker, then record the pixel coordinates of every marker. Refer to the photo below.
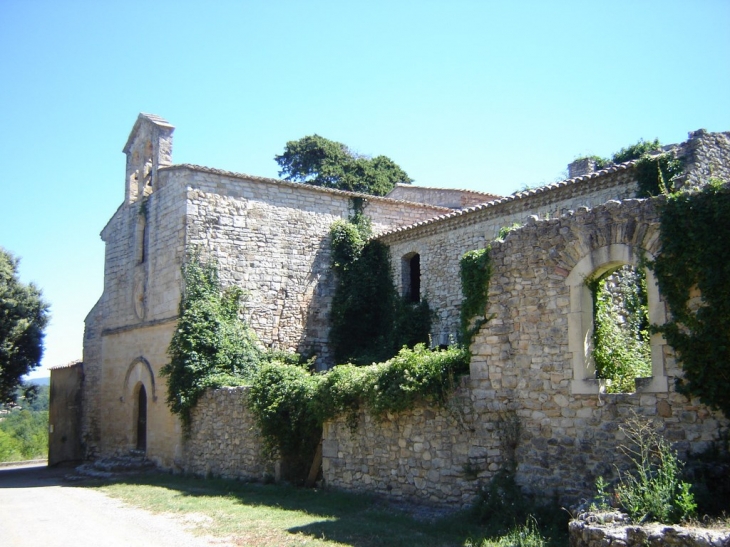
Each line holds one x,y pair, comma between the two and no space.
148,148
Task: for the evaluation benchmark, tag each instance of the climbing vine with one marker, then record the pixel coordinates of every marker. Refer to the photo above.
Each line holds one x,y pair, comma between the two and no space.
369,321
656,175
693,273
621,349
211,345
475,270
656,172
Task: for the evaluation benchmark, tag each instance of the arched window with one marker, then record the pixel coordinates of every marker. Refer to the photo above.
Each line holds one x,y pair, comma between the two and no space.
597,266
411,277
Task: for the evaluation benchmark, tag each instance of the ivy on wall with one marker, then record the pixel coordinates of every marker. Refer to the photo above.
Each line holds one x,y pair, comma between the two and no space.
369,321
475,270
693,274
656,172
211,346
621,349
656,175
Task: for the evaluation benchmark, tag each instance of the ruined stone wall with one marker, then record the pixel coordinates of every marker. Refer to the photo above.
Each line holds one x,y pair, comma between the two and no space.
224,440
705,155
272,239
602,529
523,406
424,454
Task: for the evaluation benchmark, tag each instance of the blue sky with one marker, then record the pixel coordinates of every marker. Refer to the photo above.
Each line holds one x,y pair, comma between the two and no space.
483,95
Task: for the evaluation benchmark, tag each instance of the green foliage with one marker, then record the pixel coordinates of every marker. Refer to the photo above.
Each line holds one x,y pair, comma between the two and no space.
347,244
23,435
635,151
369,321
502,507
414,376
290,404
23,317
598,160
653,489
476,271
657,175
322,162
504,230
211,345
692,272
523,535
621,349
281,400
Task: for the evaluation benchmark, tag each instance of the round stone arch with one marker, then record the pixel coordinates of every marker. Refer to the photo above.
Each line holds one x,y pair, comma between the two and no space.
580,318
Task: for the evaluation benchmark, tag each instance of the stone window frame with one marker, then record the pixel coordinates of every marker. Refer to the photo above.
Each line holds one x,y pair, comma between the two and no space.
580,318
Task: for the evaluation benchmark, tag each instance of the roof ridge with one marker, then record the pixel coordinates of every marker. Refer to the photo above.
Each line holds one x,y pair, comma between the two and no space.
401,185
513,197
289,183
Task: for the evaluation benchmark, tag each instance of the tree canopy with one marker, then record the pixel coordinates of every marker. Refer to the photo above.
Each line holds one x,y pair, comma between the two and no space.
23,317
322,162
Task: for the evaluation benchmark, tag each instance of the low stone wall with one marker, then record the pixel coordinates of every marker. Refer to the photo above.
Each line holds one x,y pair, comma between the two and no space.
612,530
430,455
224,440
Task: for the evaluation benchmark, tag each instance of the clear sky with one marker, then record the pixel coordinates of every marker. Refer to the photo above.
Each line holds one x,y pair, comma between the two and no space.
484,95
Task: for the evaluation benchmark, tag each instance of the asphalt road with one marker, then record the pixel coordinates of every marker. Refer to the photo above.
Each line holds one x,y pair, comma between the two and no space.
38,507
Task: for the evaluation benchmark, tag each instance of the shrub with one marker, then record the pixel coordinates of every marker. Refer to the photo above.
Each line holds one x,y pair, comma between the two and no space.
281,398
635,151
290,403
652,488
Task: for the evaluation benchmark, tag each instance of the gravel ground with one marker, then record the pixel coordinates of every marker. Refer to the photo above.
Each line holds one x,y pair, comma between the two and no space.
37,507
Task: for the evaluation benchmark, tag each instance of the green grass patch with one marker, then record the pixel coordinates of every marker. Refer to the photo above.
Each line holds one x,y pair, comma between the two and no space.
275,515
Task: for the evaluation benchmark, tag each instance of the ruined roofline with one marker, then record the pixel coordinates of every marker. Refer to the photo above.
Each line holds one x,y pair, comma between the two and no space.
505,201
298,185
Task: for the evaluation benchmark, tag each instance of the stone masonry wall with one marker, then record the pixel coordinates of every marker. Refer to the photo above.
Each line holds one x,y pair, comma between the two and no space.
706,155
224,440
272,239
519,408
424,454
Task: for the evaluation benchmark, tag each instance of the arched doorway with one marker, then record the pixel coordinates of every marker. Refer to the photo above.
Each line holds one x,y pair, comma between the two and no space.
142,418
